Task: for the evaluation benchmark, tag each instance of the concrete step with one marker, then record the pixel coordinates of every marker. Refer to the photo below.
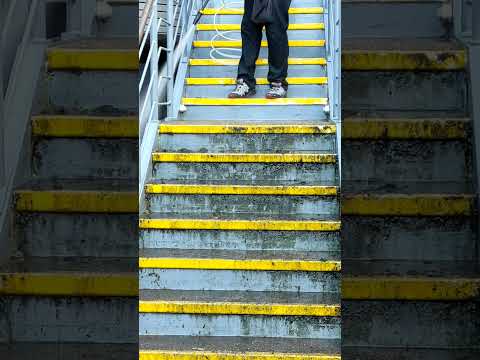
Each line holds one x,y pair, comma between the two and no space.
246,137
243,347
298,31
217,4
238,270
318,169
77,219
214,199
251,314
54,300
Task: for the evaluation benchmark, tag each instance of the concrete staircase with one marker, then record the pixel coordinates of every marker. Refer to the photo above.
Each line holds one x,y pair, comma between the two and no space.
240,245
70,288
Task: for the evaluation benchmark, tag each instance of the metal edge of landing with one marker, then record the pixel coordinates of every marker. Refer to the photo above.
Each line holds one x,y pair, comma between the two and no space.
244,158
237,27
193,189
253,101
85,126
239,11
260,81
408,205
238,308
76,201
238,43
260,62
202,355
92,59
240,225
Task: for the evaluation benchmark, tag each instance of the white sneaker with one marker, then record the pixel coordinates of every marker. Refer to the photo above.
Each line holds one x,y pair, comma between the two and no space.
242,90
277,90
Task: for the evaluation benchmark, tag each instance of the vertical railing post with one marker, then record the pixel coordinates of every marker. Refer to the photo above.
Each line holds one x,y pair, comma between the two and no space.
170,57
154,59
476,21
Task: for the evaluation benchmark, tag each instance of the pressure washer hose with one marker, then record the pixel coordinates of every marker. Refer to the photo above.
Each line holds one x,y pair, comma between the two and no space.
225,52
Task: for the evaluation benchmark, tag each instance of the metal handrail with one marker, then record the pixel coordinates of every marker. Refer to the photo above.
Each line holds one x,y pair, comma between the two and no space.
146,14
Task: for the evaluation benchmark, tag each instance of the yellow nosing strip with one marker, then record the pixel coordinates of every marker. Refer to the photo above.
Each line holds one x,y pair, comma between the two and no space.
253,101
236,308
404,60
68,284
244,158
236,264
85,126
409,288
241,190
234,62
81,59
204,355
77,201
239,11
243,128
241,225
260,81
237,27
407,205
374,129
238,43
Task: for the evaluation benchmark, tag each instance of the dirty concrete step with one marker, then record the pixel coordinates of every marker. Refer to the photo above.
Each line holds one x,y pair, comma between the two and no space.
237,348
239,270
77,218
246,137
216,199
307,168
87,298
74,65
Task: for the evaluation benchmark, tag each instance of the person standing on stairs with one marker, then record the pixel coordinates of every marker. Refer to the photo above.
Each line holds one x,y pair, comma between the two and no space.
273,14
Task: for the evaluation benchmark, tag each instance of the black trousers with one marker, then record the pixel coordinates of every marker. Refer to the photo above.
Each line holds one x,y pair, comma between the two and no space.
277,44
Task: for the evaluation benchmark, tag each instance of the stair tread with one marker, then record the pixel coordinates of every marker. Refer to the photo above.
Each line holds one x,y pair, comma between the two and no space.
280,255
239,345
237,182
400,44
248,297
246,123
239,216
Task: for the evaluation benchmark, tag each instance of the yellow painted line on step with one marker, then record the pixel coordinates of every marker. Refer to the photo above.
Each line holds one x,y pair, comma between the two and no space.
239,11
234,62
236,264
241,190
241,225
404,60
409,288
407,205
260,81
77,201
237,27
238,43
253,101
401,129
82,59
207,355
244,128
85,126
238,308
68,284
244,158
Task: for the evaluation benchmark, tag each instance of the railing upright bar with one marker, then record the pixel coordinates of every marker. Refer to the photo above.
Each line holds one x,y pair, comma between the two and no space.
170,55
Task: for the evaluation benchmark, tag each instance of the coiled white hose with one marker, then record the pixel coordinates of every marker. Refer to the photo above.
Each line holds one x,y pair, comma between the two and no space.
225,52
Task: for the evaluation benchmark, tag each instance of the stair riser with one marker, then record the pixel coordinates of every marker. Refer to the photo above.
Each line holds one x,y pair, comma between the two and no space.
403,161
269,112
230,71
238,325
237,204
95,235
237,19
400,92
407,238
295,281
394,19
72,92
236,35
73,158
72,319
241,240
295,51
246,143
221,91
294,4
308,174
380,322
